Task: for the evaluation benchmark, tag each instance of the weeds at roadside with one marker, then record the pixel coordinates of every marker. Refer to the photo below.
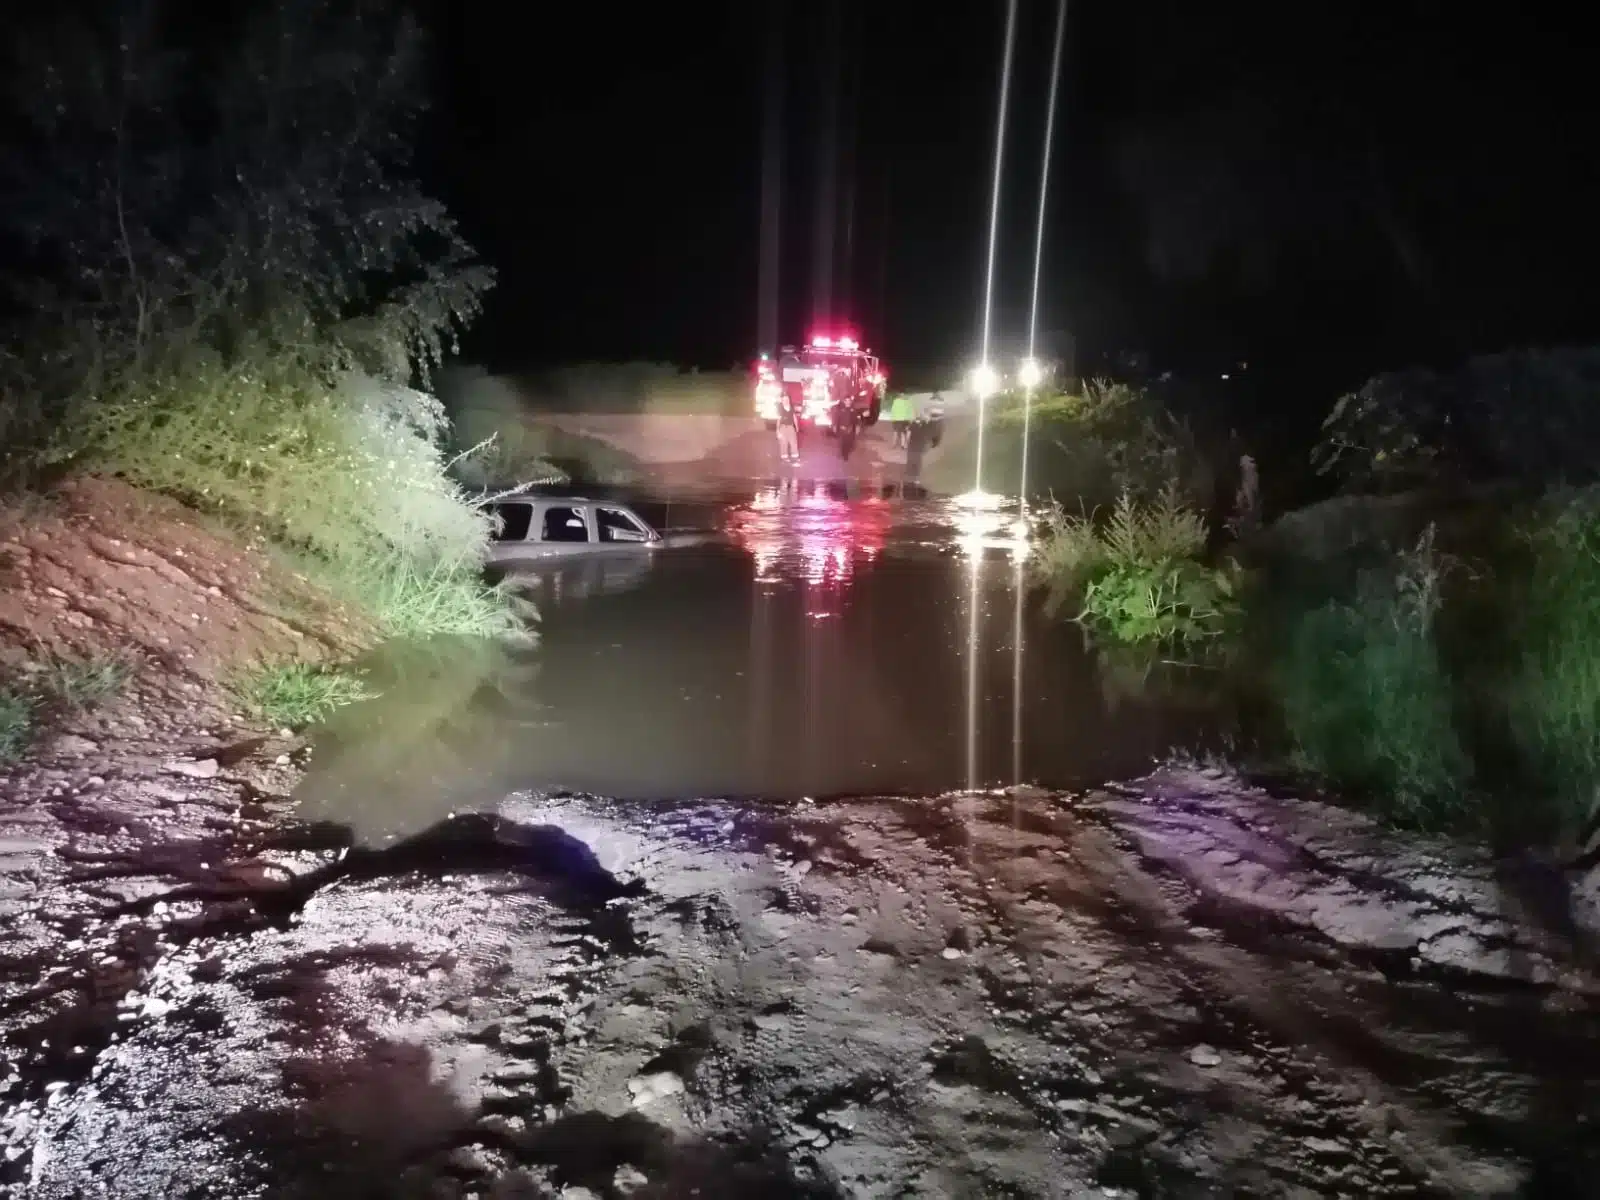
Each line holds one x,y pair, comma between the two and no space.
1367,701
53,684
81,684
415,601
16,723
298,694
1107,440
1139,578
1553,705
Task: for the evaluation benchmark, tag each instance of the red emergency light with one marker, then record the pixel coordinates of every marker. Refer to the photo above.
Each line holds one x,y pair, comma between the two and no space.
824,342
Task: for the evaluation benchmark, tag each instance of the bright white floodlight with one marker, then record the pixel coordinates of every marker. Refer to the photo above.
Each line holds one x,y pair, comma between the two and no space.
1032,374
984,380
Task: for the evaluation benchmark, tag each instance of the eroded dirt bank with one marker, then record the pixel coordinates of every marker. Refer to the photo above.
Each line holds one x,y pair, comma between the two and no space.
1180,987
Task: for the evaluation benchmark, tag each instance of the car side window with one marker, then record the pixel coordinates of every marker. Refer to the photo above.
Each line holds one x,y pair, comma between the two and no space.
618,526
565,524
511,522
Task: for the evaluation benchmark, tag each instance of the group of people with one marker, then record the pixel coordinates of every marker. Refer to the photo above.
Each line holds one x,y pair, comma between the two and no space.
906,420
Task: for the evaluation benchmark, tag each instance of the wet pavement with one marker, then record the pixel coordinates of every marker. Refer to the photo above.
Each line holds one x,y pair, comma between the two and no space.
566,924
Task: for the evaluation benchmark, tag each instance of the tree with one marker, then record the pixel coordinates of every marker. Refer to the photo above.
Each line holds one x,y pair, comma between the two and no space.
203,193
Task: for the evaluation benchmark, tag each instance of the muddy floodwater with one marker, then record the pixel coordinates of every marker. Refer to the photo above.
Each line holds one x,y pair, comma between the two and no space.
811,861
828,639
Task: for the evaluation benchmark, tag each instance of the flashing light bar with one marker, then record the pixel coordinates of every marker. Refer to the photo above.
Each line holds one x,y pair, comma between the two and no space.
828,343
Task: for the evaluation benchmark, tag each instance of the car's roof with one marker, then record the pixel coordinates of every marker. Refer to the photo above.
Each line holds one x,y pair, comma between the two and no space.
559,498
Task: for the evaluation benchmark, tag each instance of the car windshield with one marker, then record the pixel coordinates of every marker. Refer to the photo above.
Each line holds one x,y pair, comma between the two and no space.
828,358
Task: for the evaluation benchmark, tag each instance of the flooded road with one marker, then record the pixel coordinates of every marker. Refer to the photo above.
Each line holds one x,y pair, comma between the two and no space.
695,900
831,638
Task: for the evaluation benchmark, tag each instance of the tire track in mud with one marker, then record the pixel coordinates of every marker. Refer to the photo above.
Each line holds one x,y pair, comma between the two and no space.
1098,1033
997,995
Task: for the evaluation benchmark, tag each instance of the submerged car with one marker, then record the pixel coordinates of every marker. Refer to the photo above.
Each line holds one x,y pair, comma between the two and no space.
537,528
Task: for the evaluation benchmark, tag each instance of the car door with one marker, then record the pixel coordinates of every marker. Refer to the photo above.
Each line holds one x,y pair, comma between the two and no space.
616,526
565,528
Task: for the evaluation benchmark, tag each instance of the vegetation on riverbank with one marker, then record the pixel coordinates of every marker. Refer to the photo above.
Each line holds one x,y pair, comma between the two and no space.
1451,680
1086,449
1140,576
1434,660
237,294
263,374
294,695
1461,689
47,683
1365,694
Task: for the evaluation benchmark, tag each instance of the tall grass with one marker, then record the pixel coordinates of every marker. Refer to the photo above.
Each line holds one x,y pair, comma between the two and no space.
441,598
16,723
1367,700
82,684
1139,577
237,322
349,477
1553,704
295,695
50,685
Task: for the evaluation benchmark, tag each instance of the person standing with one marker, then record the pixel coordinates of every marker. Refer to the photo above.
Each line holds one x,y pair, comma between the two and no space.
901,413
788,430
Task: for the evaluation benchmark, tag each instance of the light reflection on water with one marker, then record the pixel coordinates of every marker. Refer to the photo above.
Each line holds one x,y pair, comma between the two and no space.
835,640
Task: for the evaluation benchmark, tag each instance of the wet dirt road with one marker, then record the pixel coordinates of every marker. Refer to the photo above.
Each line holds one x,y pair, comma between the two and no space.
454,978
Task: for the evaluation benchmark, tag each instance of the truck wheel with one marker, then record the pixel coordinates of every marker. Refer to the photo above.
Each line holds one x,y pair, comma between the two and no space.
772,426
875,410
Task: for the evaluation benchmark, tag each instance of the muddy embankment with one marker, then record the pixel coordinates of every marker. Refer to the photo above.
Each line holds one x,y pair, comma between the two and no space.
1180,986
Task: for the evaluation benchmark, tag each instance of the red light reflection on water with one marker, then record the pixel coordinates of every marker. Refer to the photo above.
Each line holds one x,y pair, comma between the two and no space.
811,531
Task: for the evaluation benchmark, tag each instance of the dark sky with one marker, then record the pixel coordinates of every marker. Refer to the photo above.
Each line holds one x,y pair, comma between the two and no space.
1333,187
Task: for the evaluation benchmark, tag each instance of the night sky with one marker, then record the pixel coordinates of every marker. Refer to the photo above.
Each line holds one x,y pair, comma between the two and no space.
1321,189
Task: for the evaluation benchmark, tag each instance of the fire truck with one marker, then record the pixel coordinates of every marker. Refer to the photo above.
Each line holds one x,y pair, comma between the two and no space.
834,383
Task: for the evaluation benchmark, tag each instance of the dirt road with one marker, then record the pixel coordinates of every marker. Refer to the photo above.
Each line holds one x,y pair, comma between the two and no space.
1182,988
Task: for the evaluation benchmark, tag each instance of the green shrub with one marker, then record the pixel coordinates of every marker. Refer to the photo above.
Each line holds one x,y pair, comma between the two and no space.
1139,578
1107,440
254,356
1554,701
1525,414
1367,701
297,695
16,723
80,684
414,600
